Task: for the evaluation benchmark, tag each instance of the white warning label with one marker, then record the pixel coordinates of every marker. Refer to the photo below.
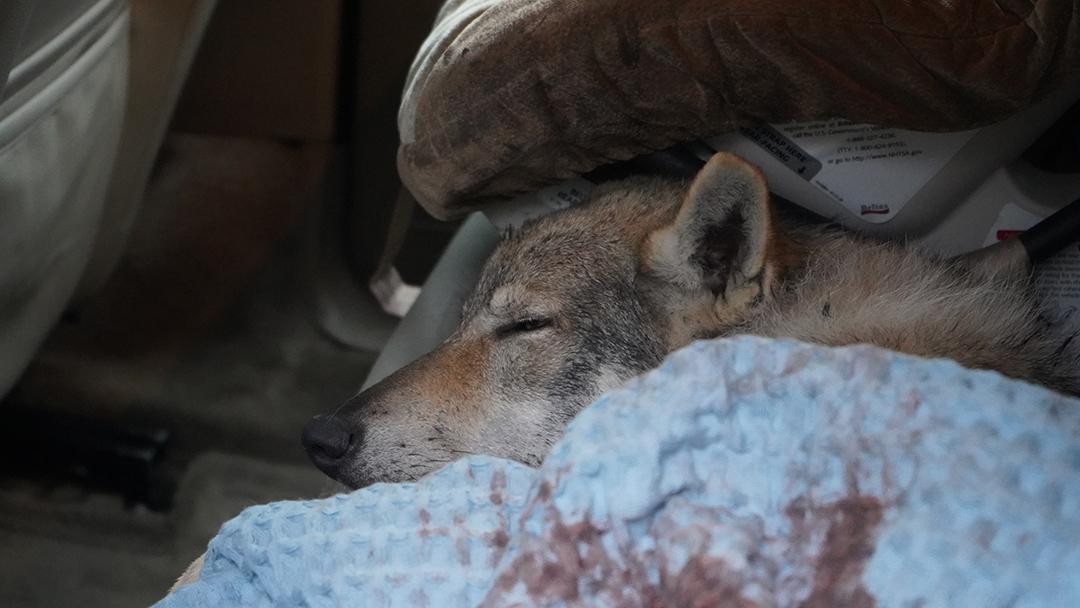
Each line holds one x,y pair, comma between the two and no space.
872,171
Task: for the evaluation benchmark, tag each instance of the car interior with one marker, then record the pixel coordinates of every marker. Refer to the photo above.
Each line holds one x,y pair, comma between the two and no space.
221,218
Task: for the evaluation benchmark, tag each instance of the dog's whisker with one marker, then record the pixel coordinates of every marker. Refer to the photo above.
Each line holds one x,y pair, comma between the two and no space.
337,409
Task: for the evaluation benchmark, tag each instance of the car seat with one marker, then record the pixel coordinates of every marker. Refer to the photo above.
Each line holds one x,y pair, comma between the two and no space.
513,108
83,110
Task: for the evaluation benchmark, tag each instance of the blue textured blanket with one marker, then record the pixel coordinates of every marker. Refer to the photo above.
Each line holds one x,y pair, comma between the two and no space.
742,472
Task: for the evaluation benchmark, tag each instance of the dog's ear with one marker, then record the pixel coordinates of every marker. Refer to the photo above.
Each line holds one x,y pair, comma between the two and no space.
721,237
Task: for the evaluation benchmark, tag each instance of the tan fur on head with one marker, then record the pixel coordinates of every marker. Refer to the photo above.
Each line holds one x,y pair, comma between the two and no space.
728,192
724,241
577,302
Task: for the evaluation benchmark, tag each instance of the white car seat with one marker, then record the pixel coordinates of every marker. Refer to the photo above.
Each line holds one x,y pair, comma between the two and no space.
66,203
61,115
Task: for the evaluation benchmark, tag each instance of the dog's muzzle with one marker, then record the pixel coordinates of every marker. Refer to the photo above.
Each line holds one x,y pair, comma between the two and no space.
328,443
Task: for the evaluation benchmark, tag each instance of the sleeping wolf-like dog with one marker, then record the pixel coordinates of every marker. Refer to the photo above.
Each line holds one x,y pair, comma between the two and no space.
576,303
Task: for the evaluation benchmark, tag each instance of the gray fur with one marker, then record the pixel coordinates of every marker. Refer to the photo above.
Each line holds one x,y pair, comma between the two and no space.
622,280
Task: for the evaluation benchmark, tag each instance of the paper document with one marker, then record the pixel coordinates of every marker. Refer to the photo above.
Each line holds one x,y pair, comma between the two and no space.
871,171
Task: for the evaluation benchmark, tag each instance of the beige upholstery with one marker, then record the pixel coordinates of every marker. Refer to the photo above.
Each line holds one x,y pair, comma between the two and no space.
166,34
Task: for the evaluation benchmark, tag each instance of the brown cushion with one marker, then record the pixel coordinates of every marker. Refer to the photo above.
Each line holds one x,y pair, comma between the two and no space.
510,95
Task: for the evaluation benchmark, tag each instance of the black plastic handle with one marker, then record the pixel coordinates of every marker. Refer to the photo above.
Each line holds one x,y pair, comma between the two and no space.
1052,234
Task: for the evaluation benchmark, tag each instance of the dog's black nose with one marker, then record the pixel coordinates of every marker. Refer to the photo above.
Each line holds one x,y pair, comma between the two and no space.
326,440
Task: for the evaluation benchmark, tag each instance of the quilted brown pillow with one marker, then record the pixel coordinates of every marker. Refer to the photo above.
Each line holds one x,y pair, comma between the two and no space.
509,95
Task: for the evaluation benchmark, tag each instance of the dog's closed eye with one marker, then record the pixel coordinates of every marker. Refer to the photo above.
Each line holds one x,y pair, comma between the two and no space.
525,325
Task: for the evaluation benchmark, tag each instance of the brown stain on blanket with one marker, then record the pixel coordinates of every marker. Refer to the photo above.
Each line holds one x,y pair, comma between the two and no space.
848,545
577,563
